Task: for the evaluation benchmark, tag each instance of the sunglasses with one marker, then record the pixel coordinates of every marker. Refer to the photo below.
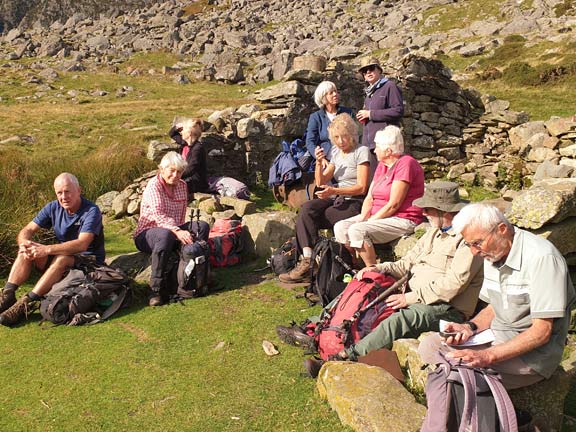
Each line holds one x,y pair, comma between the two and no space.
367,69
478,244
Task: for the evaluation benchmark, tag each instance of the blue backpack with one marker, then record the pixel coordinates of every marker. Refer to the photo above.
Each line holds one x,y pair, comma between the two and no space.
293,160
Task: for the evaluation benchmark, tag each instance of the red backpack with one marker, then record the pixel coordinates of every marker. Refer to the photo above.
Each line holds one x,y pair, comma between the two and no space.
225,242
355,313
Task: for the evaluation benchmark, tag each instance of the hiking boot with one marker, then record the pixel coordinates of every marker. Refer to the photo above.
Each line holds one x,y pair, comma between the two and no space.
294,336
313,367
155,300
7,299
300,273
19,311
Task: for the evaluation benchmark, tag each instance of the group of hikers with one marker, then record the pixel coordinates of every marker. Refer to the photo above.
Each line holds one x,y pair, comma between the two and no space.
368,193
472,268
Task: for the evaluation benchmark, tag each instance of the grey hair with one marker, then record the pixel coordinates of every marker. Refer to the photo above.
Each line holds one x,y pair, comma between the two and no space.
344,125
390,138
321,91
69,177
173,159
484,217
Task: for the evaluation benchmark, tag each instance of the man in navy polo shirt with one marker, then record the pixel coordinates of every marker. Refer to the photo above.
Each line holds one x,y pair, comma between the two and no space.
77,225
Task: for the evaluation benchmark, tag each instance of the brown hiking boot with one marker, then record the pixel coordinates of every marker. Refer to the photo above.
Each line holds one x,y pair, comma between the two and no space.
19,311
155,300
300,273
7,299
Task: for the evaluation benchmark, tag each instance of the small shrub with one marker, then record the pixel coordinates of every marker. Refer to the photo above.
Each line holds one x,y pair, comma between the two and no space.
520,73
514,38
567,7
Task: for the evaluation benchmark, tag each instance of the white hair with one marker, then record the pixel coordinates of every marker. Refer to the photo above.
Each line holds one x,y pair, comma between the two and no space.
173,159
321,91
484,217
71,178
390,138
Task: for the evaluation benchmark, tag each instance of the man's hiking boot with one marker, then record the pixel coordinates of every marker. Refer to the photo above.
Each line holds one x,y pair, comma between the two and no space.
300,273
295,336
155,300
7,299
312,367
19,311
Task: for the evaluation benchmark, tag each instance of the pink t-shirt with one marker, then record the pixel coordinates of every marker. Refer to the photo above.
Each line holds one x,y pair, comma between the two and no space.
406,169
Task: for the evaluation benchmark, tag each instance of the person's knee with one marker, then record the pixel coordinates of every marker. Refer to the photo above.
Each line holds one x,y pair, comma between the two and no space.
61,263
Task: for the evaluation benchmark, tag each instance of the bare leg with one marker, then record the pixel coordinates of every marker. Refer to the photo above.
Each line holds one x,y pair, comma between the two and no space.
54,273
368,254
22,267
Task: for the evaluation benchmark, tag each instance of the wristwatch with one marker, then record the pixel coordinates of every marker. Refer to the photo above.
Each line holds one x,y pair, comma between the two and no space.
472,326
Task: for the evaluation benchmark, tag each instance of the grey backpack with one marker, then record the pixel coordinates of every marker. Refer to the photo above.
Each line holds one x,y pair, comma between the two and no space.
465,399
87,295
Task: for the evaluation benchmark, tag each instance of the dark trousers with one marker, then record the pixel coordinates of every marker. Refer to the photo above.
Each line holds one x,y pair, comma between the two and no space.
322,214
160,243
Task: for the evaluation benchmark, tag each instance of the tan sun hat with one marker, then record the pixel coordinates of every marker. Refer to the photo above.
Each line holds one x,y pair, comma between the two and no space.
369,61
443,196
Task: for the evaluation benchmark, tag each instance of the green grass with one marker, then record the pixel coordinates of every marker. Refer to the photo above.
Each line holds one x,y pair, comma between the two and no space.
159,369
443,18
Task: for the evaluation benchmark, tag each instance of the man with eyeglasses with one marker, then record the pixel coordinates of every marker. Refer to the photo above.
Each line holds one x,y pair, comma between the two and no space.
383,104
529,293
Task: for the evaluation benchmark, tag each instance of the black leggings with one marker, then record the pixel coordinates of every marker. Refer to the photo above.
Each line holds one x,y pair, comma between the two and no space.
322,214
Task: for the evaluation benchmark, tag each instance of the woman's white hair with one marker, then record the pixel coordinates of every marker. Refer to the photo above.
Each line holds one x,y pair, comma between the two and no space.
390,138
484,217
321,91
173,159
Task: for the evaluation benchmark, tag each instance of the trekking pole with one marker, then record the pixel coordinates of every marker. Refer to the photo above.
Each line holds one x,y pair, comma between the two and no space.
390,290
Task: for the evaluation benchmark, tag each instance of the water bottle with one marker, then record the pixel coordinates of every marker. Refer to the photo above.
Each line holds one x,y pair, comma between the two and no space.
189,267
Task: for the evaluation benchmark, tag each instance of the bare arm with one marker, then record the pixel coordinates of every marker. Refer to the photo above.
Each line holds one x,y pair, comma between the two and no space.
398,193
537,335
72,247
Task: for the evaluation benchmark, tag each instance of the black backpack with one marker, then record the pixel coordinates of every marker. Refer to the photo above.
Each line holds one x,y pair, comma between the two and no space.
194,270
285,257
464,398
88,294
334,262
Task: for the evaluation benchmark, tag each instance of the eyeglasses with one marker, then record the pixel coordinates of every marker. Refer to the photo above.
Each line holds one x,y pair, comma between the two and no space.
478,244
367,69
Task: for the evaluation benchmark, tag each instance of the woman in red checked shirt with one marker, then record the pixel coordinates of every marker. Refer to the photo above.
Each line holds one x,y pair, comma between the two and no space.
161,228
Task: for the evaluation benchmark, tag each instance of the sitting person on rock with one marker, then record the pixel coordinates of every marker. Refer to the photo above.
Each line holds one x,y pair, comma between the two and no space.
161,229
327,98
77,225
187,134
342,184
444,282
388,211
529,293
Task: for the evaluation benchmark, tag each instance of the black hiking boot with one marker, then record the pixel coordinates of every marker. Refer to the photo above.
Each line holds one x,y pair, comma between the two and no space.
7,299
19,311
295,336
313,367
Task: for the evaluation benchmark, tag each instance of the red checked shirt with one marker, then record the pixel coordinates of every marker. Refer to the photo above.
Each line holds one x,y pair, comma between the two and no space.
161,208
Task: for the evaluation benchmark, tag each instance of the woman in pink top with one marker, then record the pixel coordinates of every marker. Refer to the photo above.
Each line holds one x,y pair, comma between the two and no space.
387,212
161,229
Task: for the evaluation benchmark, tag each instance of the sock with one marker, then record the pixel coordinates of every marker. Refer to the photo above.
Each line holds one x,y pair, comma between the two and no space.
10,286
307,252
33,296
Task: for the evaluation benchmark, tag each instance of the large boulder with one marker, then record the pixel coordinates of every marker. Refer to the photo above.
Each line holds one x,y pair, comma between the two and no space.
562,235
265,232
369,398
548,201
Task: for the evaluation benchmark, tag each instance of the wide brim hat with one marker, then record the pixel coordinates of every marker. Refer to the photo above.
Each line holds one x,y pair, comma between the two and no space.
369,61
443,196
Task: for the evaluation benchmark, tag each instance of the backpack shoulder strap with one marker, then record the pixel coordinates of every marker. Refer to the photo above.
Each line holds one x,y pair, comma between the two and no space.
116,304
506,412
469,422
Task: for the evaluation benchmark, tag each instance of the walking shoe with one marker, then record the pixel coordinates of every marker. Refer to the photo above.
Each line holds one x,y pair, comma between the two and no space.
20,310
313,367
7,299
294,336
300,273
155,300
